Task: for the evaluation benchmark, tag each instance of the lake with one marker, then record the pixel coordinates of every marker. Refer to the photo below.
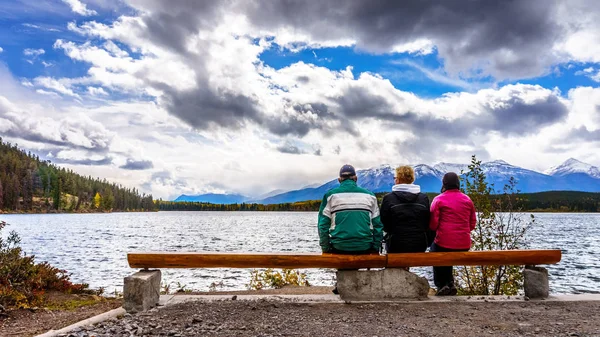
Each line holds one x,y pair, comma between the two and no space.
93,247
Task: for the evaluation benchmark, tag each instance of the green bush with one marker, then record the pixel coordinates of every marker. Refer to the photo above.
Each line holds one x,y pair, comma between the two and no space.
23,283
268,278
501,225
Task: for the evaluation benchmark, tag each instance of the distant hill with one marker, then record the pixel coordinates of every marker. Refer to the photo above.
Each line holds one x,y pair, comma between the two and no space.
554,201
213,198
572,175
29,184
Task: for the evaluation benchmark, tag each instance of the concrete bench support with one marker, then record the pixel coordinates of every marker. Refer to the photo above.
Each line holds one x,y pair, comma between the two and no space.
535,282
141,291
380,285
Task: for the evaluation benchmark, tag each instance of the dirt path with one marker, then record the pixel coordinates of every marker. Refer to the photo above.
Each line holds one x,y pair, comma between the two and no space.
270,318
30,322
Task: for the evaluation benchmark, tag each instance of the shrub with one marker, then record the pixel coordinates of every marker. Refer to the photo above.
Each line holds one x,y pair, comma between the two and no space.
500,226
268,278
23,282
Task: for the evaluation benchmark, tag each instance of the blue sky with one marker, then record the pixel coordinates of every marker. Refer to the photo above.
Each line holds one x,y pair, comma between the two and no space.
203,94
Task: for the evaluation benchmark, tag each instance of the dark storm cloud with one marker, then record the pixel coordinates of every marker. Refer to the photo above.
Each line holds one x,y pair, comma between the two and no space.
297,123
515,116
303,79
169,23
137,165
583,133
513,36
88,162
87,137
290,148
203,107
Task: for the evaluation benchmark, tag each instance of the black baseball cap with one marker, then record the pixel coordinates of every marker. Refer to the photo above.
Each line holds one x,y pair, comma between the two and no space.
347,171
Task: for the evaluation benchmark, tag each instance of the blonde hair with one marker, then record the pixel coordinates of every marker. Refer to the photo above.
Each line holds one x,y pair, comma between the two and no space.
405,174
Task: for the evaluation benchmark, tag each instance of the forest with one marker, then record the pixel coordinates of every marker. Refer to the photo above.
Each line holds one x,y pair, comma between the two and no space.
553,201
31,185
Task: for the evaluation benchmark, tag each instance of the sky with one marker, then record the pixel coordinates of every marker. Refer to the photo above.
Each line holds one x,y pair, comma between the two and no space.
189,97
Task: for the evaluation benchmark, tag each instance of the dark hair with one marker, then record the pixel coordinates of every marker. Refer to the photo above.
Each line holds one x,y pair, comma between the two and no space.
346,177
451,181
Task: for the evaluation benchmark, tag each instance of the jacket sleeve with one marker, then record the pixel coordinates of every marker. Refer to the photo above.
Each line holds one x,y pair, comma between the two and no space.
385,214
427,216
324,225
473,220
377,226
434,216
429,234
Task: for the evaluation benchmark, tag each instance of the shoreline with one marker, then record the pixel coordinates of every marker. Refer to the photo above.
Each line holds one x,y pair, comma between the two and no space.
248,211
314,315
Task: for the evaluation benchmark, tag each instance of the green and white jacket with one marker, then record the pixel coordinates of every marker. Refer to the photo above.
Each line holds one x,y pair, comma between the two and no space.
349,219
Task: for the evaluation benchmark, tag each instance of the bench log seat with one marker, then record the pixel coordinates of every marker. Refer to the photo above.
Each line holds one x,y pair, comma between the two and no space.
142,290
339,261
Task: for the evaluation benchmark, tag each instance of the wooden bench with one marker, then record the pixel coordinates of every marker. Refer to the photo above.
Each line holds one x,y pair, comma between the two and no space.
141,291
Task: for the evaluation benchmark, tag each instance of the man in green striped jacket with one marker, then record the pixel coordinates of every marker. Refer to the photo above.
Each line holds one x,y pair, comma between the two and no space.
349,218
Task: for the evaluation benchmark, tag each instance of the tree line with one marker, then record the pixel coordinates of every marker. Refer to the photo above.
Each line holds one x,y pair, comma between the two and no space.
306,206
553,201
29,184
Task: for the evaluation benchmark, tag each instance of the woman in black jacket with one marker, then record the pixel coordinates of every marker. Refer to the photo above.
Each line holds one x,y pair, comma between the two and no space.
405,215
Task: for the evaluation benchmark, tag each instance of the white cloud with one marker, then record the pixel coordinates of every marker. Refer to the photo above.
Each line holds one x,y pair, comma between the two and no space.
590,72
1,50
419,47
114,49
80,8
52,84
97,91
126,58
33,52
49,29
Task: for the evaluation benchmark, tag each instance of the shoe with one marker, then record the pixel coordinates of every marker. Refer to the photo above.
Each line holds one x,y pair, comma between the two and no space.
444,291
453,291
335,291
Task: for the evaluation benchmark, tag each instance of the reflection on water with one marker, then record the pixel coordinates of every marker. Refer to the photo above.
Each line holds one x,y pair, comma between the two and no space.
93,247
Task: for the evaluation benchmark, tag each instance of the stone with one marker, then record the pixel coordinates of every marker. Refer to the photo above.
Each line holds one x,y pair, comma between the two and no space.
380,285
535,282
141,291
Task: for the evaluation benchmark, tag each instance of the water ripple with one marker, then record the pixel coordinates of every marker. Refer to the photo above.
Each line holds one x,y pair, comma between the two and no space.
93,247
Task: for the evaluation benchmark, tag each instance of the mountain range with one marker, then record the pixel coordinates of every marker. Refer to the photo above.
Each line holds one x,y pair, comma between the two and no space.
572,175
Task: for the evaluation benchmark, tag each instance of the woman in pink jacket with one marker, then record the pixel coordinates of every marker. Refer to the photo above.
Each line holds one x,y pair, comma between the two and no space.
453,218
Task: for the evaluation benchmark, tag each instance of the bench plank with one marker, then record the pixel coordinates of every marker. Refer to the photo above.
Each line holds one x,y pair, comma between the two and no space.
253,260
475,258
337,261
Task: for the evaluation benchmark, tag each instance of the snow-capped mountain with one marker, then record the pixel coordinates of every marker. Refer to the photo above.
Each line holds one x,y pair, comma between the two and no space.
573,166
443,168
575,175
499,172
572,175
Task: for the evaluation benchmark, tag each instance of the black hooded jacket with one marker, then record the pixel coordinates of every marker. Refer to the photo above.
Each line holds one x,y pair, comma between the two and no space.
405,218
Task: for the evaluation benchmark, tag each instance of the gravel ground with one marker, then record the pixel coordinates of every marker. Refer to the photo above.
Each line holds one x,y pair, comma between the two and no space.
276,318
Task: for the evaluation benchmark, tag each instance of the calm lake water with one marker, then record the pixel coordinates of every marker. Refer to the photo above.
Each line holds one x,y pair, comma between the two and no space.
93,247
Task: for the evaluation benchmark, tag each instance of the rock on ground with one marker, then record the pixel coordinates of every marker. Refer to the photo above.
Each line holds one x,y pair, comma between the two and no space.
274,318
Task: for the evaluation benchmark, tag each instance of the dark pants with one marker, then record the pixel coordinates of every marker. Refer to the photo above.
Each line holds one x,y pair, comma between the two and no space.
443,276
347,252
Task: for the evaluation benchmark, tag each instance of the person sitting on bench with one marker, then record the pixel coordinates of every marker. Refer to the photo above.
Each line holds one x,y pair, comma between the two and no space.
405,215
349,218
453,218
